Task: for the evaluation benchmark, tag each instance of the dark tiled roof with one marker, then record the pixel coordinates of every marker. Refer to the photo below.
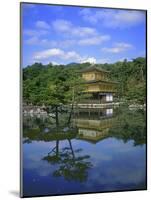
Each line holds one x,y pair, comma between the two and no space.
93,141
92,68
100,81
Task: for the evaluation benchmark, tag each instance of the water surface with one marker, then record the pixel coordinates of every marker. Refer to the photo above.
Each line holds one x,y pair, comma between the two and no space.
97,152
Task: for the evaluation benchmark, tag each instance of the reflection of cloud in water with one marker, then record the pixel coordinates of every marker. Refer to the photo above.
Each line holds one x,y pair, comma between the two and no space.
107,146
34,162
115,177
115,163
38,150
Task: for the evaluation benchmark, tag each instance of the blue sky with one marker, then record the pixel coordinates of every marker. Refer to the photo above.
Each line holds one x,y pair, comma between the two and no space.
65,34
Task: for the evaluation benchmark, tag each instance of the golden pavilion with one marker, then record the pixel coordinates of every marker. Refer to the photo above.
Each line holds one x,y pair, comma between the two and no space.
98,84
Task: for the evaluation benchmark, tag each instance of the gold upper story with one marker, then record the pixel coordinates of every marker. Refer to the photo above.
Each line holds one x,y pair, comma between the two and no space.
92,73
98,80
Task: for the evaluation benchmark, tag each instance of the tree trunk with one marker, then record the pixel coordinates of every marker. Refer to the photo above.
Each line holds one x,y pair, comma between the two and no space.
57,118
71,149
70,115
57,147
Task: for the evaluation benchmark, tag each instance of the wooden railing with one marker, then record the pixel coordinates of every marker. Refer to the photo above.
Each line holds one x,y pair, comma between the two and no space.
90,101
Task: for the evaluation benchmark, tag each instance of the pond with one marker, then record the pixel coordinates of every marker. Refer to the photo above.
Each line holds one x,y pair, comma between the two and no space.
100,151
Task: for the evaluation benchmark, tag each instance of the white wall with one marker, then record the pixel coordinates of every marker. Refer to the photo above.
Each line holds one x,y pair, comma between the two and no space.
109,97
109,111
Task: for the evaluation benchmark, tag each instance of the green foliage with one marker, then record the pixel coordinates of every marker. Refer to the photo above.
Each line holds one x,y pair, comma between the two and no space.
61,84
50,85
130,125
131,76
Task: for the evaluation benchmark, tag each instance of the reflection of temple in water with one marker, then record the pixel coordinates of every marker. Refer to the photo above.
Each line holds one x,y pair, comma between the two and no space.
95,124
92,124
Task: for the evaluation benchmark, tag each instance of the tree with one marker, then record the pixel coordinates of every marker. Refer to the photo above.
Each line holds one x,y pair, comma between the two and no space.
70,165
60,85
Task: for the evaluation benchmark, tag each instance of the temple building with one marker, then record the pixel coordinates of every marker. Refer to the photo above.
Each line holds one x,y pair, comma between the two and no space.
98,84
95,128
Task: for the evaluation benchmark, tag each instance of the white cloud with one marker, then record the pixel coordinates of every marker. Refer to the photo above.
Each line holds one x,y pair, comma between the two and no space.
37,33
63,56
34,36
68,28
48,53
35,40
94,40
118,47
89,60
62,43
42,25
32,40
54,63
61,25
57,53
93,60
79,35
113,18
83,31
103,60
71,55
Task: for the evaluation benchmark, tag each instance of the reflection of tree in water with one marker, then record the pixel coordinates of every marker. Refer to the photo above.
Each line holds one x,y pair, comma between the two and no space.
35,122
70,165
44,129
131,125
128,125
